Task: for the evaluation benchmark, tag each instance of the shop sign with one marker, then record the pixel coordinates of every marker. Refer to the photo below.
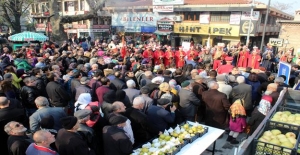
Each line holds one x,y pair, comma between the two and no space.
134,19
212,29
100,26
99,30
80,26
72,31
276,42
165,27
168,8
235,18
40,29
132,29
244,26
247,14
83,30
167,2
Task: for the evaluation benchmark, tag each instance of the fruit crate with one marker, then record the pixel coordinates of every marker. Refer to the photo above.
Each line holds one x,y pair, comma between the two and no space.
282,125
266,148
198,135
174,152
185,142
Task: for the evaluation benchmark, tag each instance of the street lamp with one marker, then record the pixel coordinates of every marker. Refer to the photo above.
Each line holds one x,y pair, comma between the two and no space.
250,23
286,42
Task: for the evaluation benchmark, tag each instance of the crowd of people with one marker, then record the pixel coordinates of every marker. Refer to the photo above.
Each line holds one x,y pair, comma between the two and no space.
88,97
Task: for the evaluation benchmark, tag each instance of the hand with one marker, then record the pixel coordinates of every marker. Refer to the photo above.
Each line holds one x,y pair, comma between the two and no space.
173,108
160,133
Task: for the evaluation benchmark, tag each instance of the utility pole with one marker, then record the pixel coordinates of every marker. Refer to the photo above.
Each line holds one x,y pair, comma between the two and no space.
250,23
265,25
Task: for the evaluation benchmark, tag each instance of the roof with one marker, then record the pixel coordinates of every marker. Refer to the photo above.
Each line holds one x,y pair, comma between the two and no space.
193,2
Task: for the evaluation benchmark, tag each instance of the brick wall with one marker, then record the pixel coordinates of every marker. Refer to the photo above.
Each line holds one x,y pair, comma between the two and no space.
291,31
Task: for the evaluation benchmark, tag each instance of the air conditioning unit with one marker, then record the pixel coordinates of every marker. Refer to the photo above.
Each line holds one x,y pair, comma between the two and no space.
177,18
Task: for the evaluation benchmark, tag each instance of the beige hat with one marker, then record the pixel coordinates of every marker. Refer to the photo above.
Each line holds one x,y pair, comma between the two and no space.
108,71
164,87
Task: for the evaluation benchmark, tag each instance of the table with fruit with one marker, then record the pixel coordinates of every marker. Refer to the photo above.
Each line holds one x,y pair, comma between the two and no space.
180,140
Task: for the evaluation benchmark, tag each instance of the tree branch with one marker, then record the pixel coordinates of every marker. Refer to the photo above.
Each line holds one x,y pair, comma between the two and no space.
70,19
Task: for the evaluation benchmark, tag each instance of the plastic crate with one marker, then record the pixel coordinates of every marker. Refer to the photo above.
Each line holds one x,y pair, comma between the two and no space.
282,125
174,152
265,148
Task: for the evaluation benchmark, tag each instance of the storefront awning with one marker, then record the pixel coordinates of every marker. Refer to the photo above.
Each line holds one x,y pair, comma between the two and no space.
162,32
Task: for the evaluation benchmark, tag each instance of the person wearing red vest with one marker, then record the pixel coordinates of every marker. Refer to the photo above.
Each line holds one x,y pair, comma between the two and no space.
243,57
254,60
169,57
191,54
179,57
227,68
158,56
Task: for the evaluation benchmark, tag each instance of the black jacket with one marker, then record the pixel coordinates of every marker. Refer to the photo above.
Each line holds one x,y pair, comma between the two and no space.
115,141
12,113
41,85
58,96
118,84
18,145
28,95
71,143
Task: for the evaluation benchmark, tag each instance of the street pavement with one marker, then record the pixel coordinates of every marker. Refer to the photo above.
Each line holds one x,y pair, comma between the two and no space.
223,147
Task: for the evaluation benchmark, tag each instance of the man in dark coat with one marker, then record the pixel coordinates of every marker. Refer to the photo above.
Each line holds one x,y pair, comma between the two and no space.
158,117
58,96
217,106
83,87
116,145
17,141
139,122
29,93
10,110
117,83
199,87
188,103
100,91
243,91
68,141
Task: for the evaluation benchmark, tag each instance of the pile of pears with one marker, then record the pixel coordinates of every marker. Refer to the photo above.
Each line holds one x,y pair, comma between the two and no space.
276,137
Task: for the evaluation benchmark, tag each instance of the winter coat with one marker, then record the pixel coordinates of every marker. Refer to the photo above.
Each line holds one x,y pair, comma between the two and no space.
238,124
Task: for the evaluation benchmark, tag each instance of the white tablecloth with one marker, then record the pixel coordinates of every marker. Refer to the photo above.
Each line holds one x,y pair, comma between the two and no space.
202,143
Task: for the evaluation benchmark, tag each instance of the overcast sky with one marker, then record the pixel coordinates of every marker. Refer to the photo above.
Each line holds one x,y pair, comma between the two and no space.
295,4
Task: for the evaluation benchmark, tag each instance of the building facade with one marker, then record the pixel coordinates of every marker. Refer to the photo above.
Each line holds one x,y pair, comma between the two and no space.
289,33
205,22
95,28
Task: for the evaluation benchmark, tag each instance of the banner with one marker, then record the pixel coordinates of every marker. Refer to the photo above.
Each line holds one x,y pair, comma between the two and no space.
246,15
284,69
204,18
167,2
235,18
136,19
168,8
276,42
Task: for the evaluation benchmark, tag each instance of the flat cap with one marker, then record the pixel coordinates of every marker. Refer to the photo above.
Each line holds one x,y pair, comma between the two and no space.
80,114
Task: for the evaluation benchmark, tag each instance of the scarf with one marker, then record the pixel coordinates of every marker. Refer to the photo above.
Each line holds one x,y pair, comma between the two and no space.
83,100
237,108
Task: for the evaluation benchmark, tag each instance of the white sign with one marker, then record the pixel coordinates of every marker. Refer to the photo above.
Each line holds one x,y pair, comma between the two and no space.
167,2
276,42
235,18
72,31
204,18
40,29
132,29
161,8
186,46
134,19
99,30
246,15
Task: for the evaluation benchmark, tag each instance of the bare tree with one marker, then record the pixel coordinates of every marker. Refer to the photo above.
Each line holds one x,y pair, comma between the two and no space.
284,6
12,11
58,21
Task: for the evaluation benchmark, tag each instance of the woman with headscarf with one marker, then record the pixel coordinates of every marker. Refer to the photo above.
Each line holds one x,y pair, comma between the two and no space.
260,112
83,100
237,121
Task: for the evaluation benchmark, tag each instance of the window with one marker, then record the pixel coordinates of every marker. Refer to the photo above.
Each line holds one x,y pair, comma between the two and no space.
71,6
197,14
32,8
82,5
263,18
37,8
186,16
59,5
95,21
220,17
